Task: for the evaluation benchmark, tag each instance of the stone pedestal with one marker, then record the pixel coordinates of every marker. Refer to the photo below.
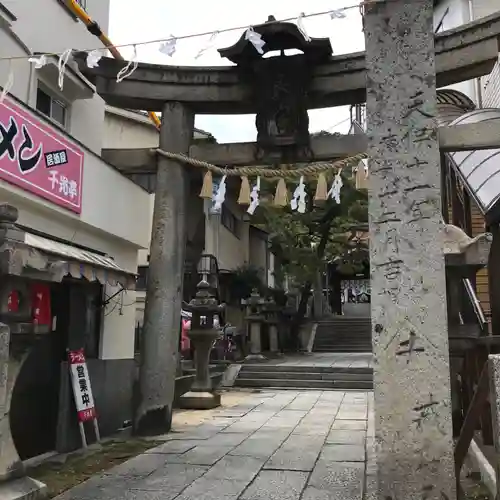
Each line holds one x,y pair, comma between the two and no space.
255,327
410,341
14,484
205,400
274,346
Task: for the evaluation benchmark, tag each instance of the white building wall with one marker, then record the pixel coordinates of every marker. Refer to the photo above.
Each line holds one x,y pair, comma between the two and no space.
129,130
116,213
454,13
490,84
48,26
490,88
126,129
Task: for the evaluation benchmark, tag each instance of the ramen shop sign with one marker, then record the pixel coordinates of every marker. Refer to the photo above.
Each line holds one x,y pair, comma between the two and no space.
37,158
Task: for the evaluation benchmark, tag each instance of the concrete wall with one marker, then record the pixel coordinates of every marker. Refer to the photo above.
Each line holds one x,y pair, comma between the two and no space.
490,84
458,13
127,129
486,91
491,88
259,252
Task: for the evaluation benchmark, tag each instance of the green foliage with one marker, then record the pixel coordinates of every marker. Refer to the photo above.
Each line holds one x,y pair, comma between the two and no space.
243,281
304,243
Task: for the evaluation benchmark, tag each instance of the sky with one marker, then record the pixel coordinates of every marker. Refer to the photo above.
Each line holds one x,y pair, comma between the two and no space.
159,19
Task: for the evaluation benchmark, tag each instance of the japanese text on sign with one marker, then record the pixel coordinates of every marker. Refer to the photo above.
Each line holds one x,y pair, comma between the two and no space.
82,390
38,158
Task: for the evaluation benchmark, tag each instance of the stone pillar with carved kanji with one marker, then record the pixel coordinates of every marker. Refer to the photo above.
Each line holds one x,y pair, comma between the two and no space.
410,339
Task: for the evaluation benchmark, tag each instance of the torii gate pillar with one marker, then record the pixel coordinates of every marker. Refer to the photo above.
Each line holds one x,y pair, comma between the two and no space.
162,314
411,366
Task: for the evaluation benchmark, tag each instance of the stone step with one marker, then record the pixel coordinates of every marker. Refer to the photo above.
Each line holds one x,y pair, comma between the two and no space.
330,342
304,369
340,338
342,349
344,329
345,319
343,341
346,376
304,384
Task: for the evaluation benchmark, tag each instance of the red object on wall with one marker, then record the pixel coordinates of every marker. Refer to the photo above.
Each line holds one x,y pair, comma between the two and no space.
13,301
41,304
185,341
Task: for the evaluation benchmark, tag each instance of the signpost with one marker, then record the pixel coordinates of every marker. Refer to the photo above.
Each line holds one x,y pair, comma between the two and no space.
82,392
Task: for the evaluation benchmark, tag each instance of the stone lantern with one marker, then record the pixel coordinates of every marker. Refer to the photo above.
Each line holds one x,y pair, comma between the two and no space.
202,334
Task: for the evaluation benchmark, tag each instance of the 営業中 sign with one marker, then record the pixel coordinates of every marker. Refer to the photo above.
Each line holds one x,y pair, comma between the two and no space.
81,386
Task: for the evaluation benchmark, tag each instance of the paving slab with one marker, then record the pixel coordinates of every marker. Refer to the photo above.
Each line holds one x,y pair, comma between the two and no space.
226,439
337,436
139,466
282,446
260,446
331,476
201,455
177,446
353,425
343,453
346,493
237,468
276,485
213,489
170,478
296,453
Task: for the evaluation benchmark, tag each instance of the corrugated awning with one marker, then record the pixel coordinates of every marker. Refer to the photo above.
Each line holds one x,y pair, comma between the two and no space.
80,263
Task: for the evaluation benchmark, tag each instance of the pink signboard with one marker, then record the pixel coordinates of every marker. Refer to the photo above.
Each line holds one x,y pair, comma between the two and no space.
38,159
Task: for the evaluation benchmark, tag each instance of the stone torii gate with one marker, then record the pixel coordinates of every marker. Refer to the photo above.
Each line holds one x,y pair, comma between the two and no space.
398,75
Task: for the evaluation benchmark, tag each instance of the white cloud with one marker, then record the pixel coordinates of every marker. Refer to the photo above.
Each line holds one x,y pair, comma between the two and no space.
157,19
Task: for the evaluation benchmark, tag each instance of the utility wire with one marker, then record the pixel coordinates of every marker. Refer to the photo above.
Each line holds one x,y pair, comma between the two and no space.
206,33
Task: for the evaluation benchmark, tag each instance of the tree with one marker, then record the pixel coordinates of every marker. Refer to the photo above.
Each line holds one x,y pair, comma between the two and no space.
305,243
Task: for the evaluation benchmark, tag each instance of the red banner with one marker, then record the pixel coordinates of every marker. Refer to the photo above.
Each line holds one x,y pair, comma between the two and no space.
42,314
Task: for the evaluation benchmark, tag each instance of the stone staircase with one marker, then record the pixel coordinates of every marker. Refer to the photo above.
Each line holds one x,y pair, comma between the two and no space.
343,334
304,377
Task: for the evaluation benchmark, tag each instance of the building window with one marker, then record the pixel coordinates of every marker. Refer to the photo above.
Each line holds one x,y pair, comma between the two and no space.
229,221
142,278
50,106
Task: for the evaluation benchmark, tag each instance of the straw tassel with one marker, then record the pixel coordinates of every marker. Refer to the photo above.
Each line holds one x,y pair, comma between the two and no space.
281,196
321,190
362,177
244,198
207,190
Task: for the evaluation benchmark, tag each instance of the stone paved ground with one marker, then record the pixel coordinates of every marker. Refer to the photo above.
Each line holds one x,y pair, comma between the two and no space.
279,445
